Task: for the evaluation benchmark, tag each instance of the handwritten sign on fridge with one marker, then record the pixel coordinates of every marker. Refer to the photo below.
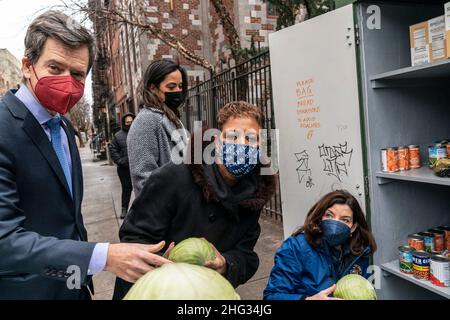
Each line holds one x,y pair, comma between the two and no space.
317,112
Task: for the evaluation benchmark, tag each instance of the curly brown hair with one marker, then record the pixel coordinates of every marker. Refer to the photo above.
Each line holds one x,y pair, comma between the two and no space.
361,237
238,109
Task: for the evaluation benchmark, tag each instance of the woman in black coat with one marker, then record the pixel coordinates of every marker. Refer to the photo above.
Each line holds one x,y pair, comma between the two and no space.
220,202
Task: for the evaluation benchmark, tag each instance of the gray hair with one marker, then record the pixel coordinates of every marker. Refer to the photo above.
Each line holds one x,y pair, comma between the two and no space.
58,26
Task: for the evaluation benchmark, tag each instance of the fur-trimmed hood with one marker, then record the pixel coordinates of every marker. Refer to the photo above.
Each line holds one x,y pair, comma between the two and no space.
265,187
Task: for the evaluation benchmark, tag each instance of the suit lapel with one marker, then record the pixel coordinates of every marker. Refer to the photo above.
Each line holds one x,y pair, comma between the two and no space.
34,130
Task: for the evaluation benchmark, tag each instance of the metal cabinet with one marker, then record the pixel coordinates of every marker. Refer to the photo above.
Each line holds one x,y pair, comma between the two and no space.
343,90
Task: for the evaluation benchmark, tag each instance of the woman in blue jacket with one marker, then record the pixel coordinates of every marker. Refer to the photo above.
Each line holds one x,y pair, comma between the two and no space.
334,241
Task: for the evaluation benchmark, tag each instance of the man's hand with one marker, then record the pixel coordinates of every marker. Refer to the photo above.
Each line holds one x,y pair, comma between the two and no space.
130,261
219,263
324,294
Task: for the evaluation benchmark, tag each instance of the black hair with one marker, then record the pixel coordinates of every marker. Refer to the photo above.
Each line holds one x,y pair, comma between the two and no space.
155,74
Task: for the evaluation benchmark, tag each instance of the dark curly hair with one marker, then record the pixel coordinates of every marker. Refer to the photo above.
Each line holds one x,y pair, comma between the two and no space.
238,109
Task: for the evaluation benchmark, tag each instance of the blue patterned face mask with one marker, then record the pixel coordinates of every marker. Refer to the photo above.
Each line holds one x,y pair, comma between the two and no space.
240,159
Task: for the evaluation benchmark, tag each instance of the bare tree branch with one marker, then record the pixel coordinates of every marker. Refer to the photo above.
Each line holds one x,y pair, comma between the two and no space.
229,28
116,16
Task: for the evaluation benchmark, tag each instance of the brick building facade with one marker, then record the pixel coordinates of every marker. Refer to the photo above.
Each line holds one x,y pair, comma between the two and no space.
125,51
10,71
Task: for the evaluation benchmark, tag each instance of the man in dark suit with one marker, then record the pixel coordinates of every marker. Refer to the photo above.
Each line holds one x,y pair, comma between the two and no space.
44,253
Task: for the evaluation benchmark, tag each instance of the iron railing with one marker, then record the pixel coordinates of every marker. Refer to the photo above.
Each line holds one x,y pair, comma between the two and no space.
249,81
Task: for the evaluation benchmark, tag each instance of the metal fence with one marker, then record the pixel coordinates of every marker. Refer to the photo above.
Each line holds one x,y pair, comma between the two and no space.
249,81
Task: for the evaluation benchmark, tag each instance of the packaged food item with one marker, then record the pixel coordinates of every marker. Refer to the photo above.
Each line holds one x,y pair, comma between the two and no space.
446,229
389,160
440,271
414,157
403,158
428,239
437,39
416,241
439,239
447,27
436,152
405,259
442,168
420,48
421,265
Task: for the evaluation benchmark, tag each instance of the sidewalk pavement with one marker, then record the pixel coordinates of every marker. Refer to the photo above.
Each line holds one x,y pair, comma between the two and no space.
101,211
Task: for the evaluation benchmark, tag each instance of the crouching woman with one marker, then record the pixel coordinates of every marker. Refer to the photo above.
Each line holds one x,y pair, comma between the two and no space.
334,241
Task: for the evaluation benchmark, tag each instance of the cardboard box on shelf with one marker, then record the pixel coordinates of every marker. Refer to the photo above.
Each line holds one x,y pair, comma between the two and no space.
420,48
447,27
437,39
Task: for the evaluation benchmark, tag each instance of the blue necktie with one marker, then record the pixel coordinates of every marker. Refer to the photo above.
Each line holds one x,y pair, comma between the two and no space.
55,128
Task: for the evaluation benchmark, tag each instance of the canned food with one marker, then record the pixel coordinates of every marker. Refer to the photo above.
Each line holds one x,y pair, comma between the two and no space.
439,239
440,271
414,157
403,158
428,239
435,153
447,235
421,265
416,241
384,160
405,259
435,253
389,160
446,254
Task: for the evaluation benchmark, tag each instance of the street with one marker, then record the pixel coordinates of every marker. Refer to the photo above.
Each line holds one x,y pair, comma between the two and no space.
101,210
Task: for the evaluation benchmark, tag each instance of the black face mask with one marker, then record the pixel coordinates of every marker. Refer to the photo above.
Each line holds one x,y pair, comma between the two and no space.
174,99
126,127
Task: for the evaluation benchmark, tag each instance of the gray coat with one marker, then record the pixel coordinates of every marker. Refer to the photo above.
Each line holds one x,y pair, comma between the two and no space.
152,141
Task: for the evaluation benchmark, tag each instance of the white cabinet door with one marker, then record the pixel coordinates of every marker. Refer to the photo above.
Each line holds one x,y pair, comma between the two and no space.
315,87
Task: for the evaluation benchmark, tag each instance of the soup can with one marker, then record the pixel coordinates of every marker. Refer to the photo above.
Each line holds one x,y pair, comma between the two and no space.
416,241
440,271
439,239
405,259
428,239
403,158
446,229
414,157
421,265
384,160
392,159
446,254
389,160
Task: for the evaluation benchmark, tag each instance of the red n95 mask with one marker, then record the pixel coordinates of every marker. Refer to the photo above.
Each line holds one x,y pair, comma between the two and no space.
58,93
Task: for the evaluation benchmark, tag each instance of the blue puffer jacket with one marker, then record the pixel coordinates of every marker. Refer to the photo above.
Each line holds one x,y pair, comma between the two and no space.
301,271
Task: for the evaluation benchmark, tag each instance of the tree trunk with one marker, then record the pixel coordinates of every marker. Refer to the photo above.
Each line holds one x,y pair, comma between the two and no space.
229,29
